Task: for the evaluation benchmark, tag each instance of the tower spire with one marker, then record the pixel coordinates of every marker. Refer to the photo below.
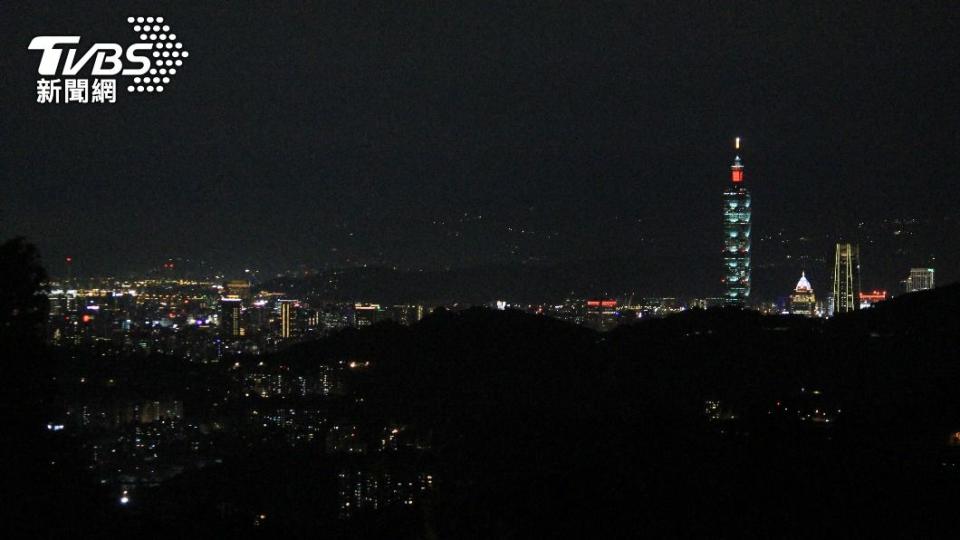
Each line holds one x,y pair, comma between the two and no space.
736,170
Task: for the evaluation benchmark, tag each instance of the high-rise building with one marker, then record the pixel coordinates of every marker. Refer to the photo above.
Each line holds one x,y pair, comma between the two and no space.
287,317
366,314
736,231
230,313
845,281
920,279
404,313
237,288
802,301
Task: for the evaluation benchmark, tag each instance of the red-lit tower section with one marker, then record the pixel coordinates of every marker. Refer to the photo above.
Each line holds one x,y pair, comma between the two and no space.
736,231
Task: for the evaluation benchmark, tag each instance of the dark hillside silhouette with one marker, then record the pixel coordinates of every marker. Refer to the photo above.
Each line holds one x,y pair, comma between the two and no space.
721,423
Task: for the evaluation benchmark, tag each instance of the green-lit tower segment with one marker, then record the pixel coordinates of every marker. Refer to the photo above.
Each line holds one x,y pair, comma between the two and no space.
736,231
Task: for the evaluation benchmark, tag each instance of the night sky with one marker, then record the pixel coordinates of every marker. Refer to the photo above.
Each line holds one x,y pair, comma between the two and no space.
434,135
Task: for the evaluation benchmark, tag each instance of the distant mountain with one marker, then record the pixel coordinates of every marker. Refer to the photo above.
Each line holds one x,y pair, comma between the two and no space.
484,284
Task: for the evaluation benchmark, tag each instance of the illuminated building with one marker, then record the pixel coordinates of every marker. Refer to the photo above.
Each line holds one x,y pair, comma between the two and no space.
62,302
361,489
403,314
258,316
230,309
601,315
237,288
652,307
366,314
845,281
802,301
709,302
287,315
868,299
736,231
150,411
920,279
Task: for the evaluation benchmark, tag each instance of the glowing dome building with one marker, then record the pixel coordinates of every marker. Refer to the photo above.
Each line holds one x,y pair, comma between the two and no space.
802,301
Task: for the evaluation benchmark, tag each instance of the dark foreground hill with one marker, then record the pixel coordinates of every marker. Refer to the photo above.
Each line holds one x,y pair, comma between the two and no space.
714,423
720,423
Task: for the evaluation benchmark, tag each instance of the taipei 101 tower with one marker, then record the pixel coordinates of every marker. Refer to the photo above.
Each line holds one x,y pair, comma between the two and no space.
736,232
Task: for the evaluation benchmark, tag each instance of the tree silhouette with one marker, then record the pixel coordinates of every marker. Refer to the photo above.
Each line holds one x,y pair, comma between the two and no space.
23,306
26,374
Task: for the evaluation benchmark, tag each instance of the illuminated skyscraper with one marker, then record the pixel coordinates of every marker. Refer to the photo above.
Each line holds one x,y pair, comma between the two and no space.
736,232
802,301
287,314
845,281
230,313
920,279
237,288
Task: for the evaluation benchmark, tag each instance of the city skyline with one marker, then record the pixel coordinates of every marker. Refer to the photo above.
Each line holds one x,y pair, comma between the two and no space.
885,271
737,256
507,270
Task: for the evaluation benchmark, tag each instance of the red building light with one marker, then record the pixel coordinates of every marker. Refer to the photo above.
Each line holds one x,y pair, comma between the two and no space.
874,296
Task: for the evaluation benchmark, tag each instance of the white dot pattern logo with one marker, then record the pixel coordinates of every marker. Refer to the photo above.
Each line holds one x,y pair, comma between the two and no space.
152,30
